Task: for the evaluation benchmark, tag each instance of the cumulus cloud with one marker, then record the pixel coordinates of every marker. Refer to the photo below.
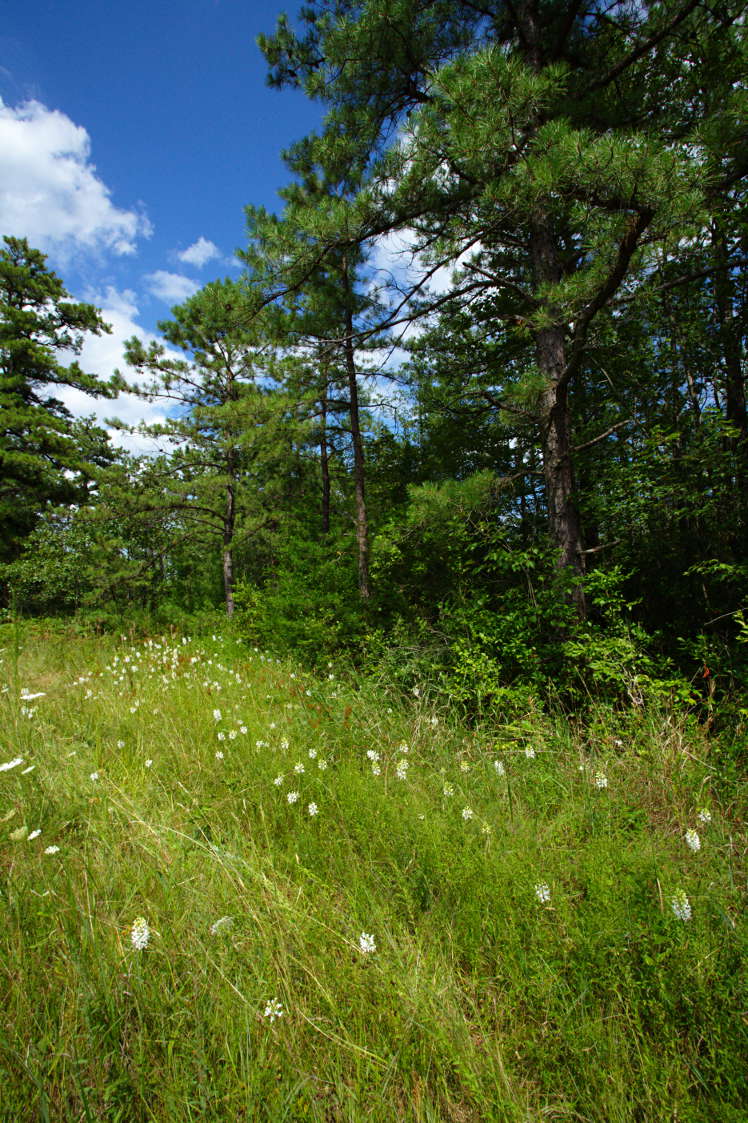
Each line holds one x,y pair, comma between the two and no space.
170,287
102,355
50,191
397,263
393,257
199,253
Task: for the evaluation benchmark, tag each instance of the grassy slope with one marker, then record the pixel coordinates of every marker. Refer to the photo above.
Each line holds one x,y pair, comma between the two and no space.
479,1003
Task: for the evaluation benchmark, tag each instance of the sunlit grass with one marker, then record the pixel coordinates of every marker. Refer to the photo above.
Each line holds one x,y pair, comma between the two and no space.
181,940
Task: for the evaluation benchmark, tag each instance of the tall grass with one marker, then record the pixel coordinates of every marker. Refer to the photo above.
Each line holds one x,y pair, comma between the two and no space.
481,1000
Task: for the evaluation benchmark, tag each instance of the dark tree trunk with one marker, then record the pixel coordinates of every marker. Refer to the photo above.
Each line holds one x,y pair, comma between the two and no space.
729,334
229,520
563,515
564,522
324,458
555,421
362,526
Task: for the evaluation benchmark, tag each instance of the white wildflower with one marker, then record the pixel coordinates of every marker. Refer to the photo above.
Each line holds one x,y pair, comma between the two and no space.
219,755
601,780
530,752
468,813
401,770
6,767
284,744
222,922
243,730
292,797
448,789
322,764
704,816
33,835
232,735
376,770
273,1010
221,736
366,943
312,754
216,715
140,933
680,905
464,766
94,776
543,893
278,780
312,809
298,768
120,744
499,768
149,763
693,842
373,755
52,850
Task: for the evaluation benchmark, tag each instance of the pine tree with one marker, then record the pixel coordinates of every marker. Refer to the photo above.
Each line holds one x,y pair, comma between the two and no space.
226,427
46,457
326,310
525,142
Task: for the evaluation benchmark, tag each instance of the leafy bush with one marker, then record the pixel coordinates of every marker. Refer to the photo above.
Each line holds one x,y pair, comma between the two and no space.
310,605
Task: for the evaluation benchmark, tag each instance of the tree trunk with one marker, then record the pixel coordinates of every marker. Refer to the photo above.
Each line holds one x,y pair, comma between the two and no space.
229,520
362,527
324,458
724,292
564,522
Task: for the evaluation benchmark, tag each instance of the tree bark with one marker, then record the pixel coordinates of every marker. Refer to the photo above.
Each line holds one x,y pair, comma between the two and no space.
564,521
324,456
229,520
555,421
362,526
555,425
724,292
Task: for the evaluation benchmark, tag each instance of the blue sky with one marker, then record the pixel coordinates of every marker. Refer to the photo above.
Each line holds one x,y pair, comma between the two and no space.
131,137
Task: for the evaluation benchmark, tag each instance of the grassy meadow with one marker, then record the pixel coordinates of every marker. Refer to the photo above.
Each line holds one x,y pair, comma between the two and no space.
233,891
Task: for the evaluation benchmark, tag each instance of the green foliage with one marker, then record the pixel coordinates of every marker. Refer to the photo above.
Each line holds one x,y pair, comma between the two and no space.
308,606
54,573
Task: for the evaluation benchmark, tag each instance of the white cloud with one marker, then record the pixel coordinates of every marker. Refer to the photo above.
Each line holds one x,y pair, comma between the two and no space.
50,192
398,263
199,253
102,355
393,257
170,287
